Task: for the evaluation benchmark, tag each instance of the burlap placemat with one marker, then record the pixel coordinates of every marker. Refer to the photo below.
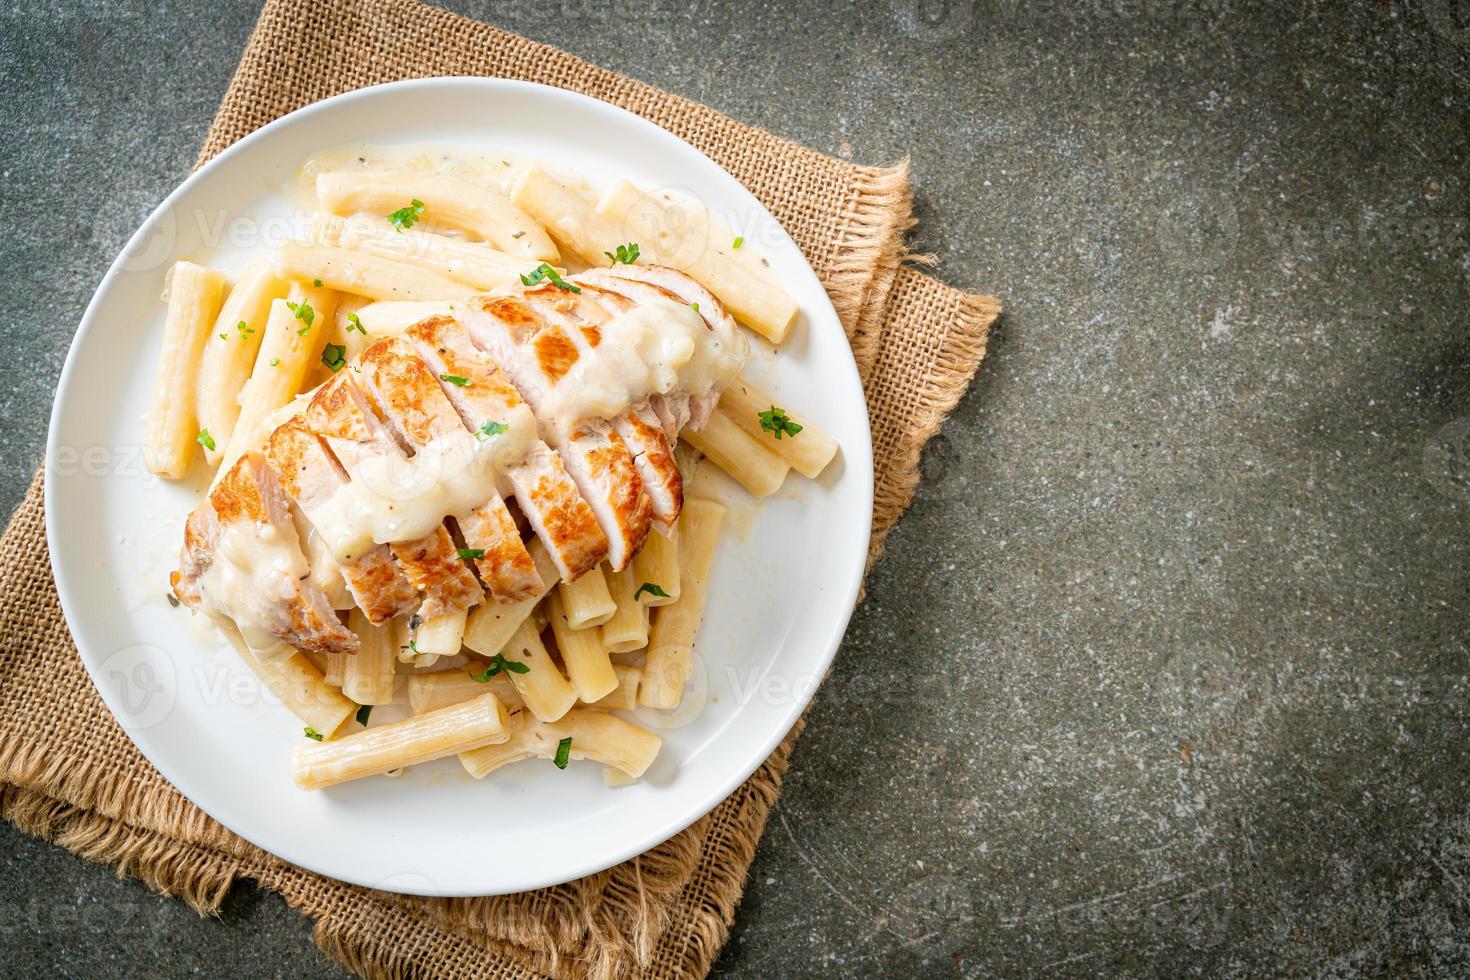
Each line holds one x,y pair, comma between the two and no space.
70,774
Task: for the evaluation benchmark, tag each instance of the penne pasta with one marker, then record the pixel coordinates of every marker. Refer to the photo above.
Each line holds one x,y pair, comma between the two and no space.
368,675
595,735
296,683
587,601
457,202
229,352
545,691
671,641
383,748
808,452
624,697
658,564
335,669
389,318
472,263
173,433
295,336
365,275
582,653
441,636
628,627
753,465
491,624
427,692
670,235
568,216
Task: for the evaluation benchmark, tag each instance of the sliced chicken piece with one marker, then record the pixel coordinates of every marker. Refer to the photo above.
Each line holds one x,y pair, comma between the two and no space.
672,409
643,283
341,414
547,496
416,406
311,476
581,316
242,560
536,356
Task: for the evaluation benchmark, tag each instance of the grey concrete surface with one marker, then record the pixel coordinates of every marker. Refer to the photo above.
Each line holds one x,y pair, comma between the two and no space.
1165,672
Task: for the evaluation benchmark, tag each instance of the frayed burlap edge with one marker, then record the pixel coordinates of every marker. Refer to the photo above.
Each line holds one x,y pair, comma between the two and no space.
953,369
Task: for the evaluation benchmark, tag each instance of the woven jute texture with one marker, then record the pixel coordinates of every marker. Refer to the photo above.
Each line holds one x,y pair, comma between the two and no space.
70,774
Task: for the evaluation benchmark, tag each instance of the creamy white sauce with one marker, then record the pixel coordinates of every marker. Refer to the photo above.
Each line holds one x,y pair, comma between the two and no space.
391,498
252,581
659,347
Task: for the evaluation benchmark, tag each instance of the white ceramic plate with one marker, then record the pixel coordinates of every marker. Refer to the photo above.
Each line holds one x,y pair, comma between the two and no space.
784,584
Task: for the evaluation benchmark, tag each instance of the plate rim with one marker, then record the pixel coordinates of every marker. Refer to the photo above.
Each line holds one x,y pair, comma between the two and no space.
858,462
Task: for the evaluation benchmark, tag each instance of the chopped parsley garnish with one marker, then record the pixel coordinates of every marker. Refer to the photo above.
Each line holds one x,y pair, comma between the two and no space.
244,330
224,336
694,307
491,429
455,380
205,439
275,361
626,254
363,710
335,356
651,589
406,217
304,313
777,423
498,663
317,283
471,552
354,322
739,240
313,734
545,271
563,752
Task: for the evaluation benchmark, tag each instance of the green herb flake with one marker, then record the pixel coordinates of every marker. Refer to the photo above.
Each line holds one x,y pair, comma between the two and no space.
224,336
304,313
363,710
563,752
205,439
334,356
470,552
491,429
455,380
317,283
244,329
498,663
545,271
275,361
354,322
651,589
777,423
626,254
739,240
407,217
313,734
694,307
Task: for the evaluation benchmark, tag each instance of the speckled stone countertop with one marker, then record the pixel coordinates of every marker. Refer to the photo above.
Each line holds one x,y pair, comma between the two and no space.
1166,670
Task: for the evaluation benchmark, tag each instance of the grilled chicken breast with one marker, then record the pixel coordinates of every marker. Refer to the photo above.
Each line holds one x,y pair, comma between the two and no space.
420,413
341,414
547,496
312,477
536,356
242,559
567,400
